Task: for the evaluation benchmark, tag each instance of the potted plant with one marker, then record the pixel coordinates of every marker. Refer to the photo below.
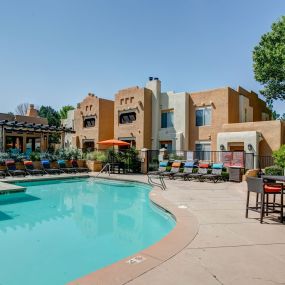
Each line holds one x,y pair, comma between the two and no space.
95,159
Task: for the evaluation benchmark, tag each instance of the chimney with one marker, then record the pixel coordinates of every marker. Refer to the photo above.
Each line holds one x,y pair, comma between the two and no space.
32,112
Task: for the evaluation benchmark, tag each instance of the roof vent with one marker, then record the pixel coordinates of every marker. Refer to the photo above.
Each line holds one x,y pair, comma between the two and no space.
150,78
155,78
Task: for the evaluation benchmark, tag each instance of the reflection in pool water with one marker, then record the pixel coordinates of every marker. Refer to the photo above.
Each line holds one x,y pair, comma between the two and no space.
61,230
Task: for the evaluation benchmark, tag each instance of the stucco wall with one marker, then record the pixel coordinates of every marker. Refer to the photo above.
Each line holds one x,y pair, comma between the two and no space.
90,106
218,100
137,100
178,134
271,133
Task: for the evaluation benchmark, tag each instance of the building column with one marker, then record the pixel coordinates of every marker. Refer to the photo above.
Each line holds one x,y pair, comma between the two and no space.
144,160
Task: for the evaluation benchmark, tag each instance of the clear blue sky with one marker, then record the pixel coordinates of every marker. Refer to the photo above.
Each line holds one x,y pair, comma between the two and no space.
54,52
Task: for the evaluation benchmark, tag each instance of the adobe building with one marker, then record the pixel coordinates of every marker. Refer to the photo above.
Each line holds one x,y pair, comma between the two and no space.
93,122
24,134
133,116
211,120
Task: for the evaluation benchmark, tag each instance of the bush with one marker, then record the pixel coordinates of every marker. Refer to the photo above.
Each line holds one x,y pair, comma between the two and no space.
274,170
96,156
68,153
279,157
225,176
3,156
35,156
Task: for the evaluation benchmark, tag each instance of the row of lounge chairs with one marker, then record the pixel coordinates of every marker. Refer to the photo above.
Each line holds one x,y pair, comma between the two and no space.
187,173
29,169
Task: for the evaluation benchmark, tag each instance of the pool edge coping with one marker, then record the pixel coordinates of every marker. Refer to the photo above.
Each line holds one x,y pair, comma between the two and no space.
127,269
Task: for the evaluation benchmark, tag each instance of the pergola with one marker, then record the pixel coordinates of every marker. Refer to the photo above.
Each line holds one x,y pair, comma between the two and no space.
26,128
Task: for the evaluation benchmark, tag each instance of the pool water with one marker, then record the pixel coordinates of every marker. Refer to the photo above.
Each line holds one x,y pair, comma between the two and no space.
58,231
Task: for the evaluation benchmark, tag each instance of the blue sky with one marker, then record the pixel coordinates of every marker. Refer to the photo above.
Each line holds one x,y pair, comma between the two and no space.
54,52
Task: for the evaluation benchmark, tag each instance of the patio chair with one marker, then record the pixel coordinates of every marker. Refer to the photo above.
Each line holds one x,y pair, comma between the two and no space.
161,168
62,166
77,168
216,173
48,170
188,169
29,167
175,167
264,189
202,170
12,169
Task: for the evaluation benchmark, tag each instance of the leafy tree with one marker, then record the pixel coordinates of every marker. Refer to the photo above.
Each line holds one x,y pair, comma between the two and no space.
22,109
63,111
275,115
51,115
53,118
269,61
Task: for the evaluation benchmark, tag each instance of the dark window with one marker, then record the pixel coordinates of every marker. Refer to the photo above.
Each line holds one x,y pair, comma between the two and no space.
167,119
127,118
203,116
89,122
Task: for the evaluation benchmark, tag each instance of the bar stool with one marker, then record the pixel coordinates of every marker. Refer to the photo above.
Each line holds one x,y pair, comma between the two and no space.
256,185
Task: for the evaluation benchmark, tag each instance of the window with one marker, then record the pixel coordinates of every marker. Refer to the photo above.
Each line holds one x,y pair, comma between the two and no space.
203,151
127,118
89,122
203,116
167,119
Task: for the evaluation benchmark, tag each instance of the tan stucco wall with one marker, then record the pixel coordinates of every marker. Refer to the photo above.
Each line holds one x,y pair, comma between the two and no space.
93,106
138,100
271,132
218,100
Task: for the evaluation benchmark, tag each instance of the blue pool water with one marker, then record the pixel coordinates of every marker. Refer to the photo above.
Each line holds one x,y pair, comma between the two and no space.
61,230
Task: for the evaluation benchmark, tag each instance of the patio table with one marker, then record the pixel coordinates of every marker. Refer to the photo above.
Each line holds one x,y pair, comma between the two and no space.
274,177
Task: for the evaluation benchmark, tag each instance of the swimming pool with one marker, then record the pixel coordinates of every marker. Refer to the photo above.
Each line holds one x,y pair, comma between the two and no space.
61,230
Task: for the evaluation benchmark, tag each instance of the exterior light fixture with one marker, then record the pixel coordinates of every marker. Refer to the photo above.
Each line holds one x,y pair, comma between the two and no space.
250,147
222,147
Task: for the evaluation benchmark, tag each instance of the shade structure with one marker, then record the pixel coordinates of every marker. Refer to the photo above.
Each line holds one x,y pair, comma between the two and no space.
114,142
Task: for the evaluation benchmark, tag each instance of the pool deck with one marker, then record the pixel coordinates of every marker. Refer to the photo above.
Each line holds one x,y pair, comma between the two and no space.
214,244
228,249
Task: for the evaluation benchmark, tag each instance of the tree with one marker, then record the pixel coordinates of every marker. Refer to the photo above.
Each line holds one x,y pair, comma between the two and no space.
275,115
53,118
51,115
63,111
22,109
269,61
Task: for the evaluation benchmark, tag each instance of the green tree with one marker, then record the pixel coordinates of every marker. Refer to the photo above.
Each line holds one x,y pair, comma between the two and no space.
51,115
269,61
63,111
53,118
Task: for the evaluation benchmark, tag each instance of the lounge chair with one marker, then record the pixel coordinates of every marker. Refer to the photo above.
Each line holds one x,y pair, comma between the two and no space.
202,170
12,169
77,168
161,168
216,173
48,170
29,167
188,169
175,167
62,166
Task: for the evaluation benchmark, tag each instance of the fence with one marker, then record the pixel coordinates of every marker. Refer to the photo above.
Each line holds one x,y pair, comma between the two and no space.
229,158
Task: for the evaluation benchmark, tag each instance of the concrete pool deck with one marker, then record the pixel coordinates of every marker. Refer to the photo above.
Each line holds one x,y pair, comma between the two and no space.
227,249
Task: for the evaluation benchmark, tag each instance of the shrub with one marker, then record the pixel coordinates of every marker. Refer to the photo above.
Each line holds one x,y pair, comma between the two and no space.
96,156
35,156
274,170
279,156
3,156
225,176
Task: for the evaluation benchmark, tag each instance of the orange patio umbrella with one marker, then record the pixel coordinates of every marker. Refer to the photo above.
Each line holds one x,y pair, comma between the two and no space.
114,142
